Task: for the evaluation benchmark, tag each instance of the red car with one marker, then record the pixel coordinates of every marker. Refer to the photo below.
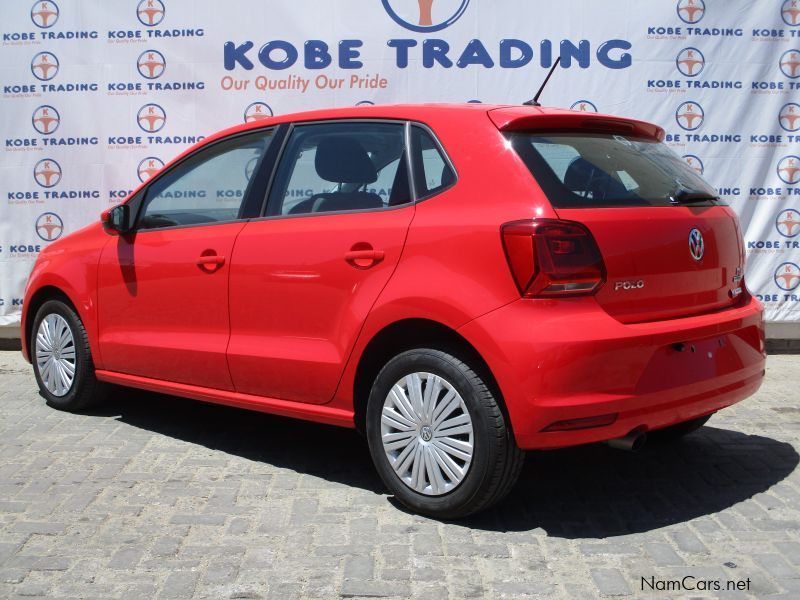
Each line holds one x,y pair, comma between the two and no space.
459,282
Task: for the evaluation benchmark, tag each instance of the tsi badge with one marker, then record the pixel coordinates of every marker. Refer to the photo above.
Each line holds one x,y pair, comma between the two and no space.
737,283
635,284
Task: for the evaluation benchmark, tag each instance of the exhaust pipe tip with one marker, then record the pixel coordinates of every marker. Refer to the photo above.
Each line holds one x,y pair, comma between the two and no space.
633,442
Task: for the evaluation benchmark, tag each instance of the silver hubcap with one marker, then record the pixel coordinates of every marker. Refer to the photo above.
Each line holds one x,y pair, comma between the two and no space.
55,354
427,433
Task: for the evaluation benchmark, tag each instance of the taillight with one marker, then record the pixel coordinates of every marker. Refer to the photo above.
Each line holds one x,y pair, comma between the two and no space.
552,258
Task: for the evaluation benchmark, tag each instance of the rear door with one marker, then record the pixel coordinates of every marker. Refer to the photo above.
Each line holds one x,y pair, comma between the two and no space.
670,247
304,277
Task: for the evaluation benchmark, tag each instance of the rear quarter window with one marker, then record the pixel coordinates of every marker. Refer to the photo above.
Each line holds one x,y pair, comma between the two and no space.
433,173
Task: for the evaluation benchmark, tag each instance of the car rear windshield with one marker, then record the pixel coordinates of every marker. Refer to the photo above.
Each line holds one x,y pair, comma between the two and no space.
605,170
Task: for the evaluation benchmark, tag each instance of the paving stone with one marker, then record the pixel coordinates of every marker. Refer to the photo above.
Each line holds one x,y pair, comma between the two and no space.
790,551
610,582
663,554
687,541
355,588
180,584
158,497
126,558
775,565
358,567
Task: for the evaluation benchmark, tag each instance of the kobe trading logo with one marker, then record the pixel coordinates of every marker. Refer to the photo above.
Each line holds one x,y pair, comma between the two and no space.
790,12
690,62
583,106
788,223
49,226
151,64
789,169
44,66
151,118
47,172
149,167
257,111
250,167
45,119
694,163
425,16
689,116
691,11
787,276
150,12
789,117
44,14
790,63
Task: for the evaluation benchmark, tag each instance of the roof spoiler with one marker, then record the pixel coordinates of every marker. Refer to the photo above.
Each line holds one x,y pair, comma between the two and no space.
534,119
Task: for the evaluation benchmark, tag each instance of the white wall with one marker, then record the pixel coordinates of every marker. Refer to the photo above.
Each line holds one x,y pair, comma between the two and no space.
731,61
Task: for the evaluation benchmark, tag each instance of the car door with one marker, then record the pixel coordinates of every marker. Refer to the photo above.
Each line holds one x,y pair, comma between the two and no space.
163,289
304,277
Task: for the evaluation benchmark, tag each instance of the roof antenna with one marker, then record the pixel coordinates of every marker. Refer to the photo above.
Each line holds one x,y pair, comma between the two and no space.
535,100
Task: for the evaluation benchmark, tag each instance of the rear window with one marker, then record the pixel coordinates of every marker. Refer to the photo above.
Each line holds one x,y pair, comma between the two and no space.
596,170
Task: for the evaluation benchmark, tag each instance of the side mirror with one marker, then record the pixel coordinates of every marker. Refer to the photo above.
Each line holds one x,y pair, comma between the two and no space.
117,218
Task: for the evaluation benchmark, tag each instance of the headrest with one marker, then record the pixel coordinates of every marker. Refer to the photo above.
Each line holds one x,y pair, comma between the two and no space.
581,173
578,174
349,201
341,159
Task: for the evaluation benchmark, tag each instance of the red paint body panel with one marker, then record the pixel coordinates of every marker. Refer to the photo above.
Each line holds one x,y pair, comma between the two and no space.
676,284
297,305
319,414
161,314
70,265
565,359
512,118
282,325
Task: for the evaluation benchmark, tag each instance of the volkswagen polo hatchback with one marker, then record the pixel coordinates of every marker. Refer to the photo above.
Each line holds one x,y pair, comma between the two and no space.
459,282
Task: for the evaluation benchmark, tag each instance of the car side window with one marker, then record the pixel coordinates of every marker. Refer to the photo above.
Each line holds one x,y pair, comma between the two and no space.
432,172
209,187
344,166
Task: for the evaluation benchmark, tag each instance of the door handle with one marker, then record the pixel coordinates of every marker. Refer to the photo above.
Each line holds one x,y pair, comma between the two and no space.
363,257
210,261
374,255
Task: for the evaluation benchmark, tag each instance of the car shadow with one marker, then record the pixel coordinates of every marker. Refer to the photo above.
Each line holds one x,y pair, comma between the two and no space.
588,491
595,491
331,453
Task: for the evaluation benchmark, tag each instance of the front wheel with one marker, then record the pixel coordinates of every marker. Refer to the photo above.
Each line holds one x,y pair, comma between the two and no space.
437,435
62,359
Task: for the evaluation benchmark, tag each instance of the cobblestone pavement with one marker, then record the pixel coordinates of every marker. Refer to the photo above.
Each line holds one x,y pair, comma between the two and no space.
154,496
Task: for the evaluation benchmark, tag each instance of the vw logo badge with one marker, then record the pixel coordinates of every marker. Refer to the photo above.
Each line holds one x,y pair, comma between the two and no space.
696,245
426,434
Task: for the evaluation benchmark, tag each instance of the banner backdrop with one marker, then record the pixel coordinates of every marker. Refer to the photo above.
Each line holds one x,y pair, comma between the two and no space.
97,95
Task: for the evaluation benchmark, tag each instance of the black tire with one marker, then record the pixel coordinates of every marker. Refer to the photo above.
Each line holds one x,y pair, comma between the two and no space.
677,432
496,460
85,391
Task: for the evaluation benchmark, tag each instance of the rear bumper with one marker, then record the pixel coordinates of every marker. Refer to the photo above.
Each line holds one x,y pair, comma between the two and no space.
569,360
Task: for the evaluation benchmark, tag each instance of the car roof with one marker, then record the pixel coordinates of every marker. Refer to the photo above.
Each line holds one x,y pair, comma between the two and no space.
504,116
408,112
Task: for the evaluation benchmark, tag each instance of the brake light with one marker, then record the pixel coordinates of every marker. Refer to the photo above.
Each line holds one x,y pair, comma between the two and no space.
548,257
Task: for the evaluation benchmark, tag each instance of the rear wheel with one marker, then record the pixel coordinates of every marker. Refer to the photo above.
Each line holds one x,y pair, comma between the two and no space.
676,432
62,360
437,435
